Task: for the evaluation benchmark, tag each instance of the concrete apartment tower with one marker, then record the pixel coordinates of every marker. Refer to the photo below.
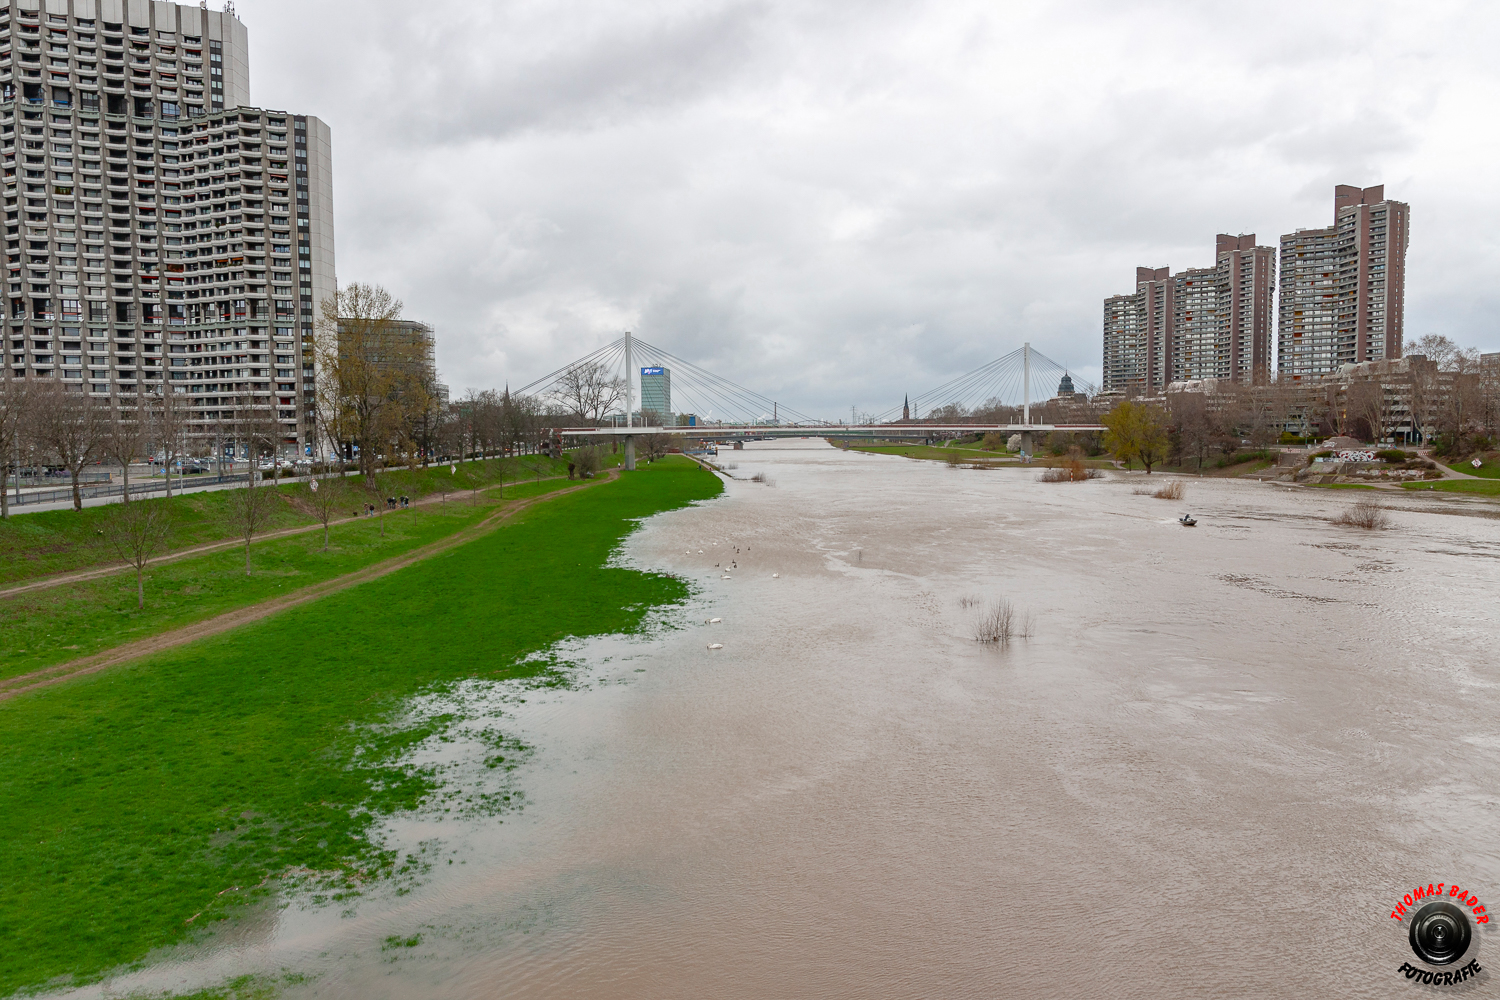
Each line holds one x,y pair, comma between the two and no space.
1246,276
163,236
1208,322
1343,287
1138,332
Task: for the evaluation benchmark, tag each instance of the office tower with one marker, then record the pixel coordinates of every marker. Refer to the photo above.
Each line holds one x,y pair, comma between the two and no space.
152,215
1246,278
1204,322
656,393
1343,287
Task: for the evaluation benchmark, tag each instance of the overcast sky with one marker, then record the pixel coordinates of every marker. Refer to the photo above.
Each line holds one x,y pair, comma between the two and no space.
838,202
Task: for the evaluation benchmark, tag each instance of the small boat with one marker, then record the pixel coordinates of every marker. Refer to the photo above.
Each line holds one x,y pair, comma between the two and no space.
1187,521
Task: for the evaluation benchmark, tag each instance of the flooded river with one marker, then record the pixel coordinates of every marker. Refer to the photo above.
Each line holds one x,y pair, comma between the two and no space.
1222,757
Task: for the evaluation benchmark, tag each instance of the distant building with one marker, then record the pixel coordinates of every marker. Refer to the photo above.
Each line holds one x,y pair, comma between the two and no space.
404,345
687,420
1343,288
1204,322
656,392
906,407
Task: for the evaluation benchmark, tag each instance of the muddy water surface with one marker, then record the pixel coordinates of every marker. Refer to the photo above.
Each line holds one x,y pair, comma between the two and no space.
1222,756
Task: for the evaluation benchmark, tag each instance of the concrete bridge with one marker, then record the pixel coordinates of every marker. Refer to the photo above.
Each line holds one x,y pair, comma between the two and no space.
883,432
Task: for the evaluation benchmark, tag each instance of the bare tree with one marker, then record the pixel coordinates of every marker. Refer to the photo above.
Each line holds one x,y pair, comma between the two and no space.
16,399
589,391
374,485
125,439
71,427
369,360
1189,412
250,509
1364,407
328,495
169,417
137,531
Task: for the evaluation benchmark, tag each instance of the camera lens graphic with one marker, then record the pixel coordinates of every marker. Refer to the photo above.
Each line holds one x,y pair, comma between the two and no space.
1440,933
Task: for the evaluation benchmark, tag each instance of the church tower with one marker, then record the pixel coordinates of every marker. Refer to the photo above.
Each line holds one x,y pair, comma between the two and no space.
906,407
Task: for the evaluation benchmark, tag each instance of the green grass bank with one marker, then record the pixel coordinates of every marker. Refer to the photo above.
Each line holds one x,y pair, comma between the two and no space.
130,799
56,541
73,620
1473,487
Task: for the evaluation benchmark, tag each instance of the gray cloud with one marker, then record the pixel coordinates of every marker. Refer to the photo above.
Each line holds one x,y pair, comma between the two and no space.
837,202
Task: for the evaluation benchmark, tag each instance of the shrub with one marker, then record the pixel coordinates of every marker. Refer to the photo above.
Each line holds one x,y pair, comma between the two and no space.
1000,623
1392,455
953,458
1070,470
1170,491
1364,513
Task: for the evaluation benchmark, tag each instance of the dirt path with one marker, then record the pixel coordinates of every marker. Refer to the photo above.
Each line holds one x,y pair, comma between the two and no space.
48,582
60,672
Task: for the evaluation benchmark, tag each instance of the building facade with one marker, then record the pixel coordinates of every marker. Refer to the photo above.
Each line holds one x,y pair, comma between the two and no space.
1210,322
1343,287
656,392
1138,330
1246,281
164,238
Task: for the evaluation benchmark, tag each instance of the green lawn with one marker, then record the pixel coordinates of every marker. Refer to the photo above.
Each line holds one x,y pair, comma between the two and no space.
130,799
46,542
1489,469
74,620
1480,487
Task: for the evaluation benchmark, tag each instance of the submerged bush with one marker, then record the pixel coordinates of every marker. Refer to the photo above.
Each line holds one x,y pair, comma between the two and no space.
1364,513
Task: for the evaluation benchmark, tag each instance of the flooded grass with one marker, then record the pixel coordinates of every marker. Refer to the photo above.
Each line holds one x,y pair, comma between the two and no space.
144,805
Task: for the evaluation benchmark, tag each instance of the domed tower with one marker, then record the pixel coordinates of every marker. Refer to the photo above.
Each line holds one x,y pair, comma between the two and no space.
1065,387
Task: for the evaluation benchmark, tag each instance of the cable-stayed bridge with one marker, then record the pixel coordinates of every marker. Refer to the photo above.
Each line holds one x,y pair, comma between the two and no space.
626,389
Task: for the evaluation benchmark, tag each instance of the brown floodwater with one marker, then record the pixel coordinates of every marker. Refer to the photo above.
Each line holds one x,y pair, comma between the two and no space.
1221,758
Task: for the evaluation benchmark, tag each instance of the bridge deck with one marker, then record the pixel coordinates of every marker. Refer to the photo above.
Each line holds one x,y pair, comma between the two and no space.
826,430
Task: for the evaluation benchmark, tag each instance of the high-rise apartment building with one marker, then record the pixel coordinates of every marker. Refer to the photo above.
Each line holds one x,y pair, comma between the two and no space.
1209,322
1246,280
1138,333
1343,287
162,235
1196,335
656,392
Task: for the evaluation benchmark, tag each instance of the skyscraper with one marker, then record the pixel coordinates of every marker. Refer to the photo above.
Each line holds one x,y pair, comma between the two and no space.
150,218
1343,287
1246,276
656,393
1138,332
1205,322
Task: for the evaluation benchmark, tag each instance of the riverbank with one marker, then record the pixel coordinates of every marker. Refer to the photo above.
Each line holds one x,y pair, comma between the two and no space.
37,544
145,805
